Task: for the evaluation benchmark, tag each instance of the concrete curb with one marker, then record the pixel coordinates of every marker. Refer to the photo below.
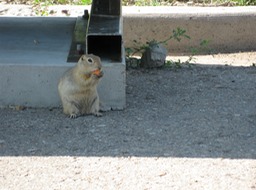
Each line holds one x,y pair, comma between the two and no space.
229,29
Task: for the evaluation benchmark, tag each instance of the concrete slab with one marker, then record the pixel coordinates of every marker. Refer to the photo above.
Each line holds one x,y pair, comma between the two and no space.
33,56
228,29
35,40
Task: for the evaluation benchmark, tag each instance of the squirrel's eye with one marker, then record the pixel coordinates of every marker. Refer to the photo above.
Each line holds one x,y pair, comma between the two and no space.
90,60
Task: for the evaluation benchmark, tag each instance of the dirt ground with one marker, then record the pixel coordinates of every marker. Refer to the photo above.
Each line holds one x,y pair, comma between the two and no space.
192,127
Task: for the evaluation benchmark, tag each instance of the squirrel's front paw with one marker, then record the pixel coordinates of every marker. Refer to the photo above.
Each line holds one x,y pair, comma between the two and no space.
73,116
98,114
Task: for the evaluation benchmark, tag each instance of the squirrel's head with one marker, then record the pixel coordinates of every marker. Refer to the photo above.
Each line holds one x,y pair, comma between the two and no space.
90,63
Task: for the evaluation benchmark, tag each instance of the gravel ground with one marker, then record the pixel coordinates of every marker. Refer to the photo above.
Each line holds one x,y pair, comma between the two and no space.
187,128
192,127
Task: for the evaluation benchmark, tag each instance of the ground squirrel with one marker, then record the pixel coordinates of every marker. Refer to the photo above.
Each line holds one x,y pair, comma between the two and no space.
78,87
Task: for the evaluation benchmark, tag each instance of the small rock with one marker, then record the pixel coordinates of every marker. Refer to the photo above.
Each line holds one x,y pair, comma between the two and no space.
19,108
154,56
66,12
52,12
32,150
2,143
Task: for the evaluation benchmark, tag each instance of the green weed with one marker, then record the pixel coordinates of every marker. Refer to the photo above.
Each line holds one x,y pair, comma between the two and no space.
139,48
62,2
202,48
177,35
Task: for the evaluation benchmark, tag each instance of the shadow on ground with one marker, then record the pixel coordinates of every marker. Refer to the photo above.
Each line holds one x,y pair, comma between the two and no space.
196,111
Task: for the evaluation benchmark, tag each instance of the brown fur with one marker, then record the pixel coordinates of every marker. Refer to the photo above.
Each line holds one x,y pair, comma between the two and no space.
78,87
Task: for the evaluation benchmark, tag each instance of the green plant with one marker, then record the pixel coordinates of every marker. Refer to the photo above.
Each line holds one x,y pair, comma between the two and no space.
62,2
133,62
246,2
144,2
173,64
177,35
203,48
41,6
178,64
84,2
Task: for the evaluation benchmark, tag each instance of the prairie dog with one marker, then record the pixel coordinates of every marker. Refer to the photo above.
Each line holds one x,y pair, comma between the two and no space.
78,87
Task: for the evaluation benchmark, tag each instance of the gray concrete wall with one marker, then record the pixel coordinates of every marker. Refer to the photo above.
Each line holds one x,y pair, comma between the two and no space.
36,85
30,85
228,29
